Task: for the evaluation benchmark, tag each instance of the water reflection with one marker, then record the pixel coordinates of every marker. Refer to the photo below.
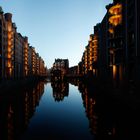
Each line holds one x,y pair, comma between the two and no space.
88,94
110,117
60,90
94,114
17,107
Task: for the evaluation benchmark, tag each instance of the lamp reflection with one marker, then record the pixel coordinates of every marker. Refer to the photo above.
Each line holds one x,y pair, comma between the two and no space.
17,108
109,118
89,101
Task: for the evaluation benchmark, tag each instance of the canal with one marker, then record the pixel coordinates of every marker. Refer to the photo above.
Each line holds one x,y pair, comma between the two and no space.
65,111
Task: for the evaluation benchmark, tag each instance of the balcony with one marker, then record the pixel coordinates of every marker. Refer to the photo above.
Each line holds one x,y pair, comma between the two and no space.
9,65
115,15
115,9
8,56
115,20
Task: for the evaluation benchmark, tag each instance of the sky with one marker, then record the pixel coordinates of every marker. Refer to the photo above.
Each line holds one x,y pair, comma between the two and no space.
56,28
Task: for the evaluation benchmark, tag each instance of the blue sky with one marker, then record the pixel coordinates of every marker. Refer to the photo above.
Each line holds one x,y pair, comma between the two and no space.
56,28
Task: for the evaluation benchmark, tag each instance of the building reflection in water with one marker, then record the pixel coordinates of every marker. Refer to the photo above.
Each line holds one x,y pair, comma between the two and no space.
89,102
109,118
17,108
60,90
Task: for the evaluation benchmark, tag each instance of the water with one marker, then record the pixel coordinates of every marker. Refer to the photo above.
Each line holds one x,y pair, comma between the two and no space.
66,111
59,119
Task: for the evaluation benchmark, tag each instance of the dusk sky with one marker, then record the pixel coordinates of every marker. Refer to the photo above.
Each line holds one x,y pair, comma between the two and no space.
57,28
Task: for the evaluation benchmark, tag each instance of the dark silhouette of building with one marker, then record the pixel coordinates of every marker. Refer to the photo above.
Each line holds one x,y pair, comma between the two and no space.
60,69
17,109
113,48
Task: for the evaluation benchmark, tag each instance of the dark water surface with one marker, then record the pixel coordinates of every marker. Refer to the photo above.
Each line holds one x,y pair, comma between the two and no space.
67,111
59,117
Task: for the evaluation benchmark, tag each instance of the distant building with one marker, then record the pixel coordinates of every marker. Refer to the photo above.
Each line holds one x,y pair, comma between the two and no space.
60,67
80,66
73,71
61,64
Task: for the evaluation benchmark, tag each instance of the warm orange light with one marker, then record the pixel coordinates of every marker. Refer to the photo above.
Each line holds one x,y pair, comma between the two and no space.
9,43
10,70
8,56
90,56
111,31
25,68
9,50
95,50
26,54
115,20
9,65
25,63
114,71
95,46
116,9
9,27
111,51
95,58
94,71
116,16
9,36
95,40
90,68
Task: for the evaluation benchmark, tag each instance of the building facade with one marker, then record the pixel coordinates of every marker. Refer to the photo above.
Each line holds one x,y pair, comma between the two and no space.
113,51
60,69
17,58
